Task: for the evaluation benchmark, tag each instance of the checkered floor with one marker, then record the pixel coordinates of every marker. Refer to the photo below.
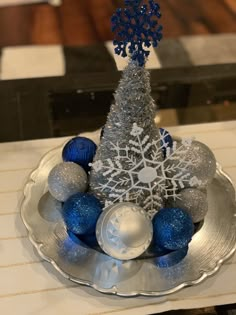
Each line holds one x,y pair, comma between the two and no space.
46,61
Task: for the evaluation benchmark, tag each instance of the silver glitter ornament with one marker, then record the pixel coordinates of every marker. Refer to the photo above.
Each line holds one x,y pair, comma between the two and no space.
66,179
133,106
202,163
124,231
193,201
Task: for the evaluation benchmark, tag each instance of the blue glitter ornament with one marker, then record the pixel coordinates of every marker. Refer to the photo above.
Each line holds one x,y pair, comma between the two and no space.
158,251
81,212
80,150
166,140
90,240
173,228
136,27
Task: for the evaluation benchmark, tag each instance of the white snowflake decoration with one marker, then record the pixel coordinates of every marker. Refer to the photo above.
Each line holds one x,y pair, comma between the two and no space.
140,170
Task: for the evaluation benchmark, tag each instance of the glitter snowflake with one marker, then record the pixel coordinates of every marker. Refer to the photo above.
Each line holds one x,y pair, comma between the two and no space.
140,170
137,27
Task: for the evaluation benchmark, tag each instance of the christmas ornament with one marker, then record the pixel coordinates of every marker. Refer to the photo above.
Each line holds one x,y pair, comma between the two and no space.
156,250
120,155
173,228
79,150
137,172
136,27
193,201
81,212
124,231
166,140
89,239
200,162
66,179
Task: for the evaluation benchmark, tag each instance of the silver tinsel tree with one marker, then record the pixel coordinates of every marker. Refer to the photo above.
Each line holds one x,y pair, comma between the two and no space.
123,169
133,106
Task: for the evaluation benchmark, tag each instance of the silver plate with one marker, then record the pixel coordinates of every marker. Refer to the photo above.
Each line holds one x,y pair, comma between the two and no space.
210,247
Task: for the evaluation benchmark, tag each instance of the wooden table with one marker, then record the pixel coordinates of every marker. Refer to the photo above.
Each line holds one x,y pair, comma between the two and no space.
80,22
30,286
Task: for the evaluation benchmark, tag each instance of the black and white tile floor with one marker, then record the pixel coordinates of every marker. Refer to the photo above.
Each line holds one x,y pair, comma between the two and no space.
72,87
47,61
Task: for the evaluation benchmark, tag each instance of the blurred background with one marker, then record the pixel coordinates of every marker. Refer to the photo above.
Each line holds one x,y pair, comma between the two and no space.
85,22
58,71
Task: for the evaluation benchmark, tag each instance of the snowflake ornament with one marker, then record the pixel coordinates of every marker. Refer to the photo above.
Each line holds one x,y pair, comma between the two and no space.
139,170
137,27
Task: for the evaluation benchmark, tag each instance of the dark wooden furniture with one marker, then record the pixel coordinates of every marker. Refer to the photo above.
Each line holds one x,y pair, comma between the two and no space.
48,107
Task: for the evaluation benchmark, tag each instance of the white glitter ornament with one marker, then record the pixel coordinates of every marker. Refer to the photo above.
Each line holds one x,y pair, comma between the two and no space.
193,201
124,231
135,176
66,179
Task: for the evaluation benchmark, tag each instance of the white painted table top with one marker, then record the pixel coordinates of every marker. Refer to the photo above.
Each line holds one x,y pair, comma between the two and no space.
29,286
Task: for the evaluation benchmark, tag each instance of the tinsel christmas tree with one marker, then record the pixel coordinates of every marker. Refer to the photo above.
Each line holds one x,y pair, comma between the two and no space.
133,106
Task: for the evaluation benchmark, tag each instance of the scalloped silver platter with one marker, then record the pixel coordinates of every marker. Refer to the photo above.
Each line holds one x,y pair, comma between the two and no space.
210,247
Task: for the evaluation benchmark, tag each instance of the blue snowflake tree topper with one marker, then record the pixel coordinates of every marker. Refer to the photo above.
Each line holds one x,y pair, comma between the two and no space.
136,28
